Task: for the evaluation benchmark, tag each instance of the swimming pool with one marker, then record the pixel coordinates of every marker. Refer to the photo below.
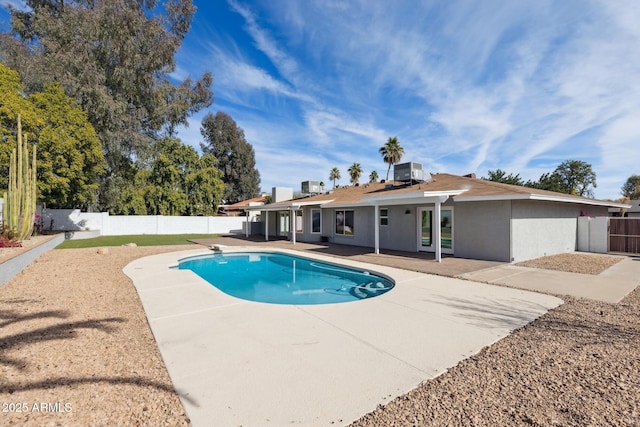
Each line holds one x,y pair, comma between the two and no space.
285,279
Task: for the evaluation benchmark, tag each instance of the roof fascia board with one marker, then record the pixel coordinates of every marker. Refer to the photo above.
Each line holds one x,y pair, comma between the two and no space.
287,206
491,198
346,205
541,197
413,198
580,201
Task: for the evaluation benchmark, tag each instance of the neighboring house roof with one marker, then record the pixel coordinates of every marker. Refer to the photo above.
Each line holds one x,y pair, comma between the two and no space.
440,187
256,201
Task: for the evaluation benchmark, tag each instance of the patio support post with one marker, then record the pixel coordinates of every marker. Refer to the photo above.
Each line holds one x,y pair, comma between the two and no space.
266,225
376,228
247,225
292,213
436,231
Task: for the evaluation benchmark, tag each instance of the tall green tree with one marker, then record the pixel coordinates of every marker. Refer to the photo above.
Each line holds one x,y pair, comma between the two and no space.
373,176
501,176
570,177
631,188
391,152
174,180
236,158
114,58
12,104
354,172
333,175
70,158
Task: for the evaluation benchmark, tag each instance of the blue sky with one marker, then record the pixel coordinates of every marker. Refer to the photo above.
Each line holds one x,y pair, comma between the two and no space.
466,86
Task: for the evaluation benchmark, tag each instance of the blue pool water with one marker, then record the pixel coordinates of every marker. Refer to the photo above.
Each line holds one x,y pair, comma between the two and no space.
285,279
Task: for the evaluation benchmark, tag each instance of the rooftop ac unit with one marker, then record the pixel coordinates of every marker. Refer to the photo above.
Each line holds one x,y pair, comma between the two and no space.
407,172
311,187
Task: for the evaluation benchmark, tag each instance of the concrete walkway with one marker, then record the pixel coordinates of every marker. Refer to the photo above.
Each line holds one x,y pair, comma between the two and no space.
612,285
235,362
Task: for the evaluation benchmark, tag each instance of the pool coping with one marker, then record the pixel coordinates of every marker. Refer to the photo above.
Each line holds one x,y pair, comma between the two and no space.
242,362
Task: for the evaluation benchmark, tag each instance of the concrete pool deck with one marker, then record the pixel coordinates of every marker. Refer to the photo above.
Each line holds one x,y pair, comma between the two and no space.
236,362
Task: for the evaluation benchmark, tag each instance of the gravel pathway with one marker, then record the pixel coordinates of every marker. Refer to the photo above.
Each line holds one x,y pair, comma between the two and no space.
74,341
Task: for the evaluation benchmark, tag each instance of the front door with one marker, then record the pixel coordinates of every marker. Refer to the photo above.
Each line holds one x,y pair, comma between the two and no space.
426,233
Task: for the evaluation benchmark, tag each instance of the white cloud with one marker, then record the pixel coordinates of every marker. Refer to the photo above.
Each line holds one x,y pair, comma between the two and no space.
16,4
264,41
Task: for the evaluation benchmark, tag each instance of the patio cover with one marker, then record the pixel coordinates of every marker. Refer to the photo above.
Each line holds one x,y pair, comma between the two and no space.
417,198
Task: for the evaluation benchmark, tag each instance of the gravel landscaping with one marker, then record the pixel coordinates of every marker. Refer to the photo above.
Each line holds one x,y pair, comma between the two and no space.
584,263
74,337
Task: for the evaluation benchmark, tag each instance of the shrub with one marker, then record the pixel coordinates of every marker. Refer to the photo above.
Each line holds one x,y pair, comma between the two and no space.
9,239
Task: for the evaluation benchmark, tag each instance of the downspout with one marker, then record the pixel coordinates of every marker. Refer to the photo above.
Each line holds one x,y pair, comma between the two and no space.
266,226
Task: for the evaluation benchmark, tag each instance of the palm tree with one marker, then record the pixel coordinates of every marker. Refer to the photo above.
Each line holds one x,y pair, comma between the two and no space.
391,153
373,176
333,175
355,171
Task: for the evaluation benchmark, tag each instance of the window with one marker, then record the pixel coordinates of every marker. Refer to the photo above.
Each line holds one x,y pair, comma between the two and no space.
316,221
384,216
298,221
344,223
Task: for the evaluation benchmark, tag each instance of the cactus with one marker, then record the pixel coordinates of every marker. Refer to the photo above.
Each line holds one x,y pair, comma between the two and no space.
20,199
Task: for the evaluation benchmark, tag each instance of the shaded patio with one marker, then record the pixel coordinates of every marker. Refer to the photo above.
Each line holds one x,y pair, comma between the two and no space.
423,262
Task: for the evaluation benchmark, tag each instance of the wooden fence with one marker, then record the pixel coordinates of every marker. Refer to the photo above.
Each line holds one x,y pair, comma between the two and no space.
624,235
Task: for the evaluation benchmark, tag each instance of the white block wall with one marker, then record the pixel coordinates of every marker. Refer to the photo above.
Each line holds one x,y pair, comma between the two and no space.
118,225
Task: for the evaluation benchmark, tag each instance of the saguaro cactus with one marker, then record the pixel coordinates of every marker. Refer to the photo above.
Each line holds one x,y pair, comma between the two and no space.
20,199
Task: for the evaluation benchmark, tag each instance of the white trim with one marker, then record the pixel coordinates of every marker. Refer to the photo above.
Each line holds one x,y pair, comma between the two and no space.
379,220
540,197
436,231
288,206
346,206
582,201
335,231
376,230
415,198
295,217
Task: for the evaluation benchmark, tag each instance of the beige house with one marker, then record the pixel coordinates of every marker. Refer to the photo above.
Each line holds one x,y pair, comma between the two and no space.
447,214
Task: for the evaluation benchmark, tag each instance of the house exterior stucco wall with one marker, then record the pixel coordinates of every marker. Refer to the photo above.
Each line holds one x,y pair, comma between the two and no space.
362,225
546,228
482,230
271,223
401,232
306,235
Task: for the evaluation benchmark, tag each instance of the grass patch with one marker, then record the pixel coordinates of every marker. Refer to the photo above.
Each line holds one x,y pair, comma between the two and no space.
140,240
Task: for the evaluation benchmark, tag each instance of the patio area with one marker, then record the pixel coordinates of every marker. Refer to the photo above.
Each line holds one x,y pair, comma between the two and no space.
612,285
413,261
247,363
